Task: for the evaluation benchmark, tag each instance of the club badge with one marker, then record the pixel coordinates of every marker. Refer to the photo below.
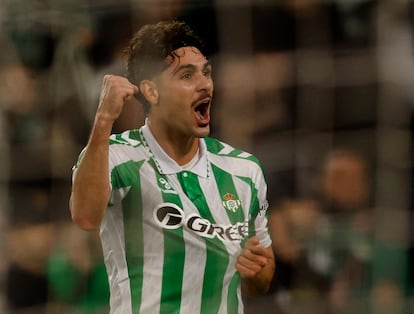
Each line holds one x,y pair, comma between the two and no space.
230,202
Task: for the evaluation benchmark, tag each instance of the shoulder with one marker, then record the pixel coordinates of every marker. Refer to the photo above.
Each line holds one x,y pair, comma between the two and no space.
126,147
223,150
129,138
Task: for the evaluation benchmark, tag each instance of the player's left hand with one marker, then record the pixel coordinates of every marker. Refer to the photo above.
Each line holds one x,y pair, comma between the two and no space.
252,259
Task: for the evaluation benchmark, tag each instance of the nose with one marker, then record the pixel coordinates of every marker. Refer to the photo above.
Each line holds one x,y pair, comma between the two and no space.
205,83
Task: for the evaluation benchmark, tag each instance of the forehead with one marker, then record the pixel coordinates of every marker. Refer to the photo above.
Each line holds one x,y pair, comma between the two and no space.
185,56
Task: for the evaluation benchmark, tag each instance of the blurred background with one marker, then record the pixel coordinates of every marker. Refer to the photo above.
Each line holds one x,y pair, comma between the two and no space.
320,90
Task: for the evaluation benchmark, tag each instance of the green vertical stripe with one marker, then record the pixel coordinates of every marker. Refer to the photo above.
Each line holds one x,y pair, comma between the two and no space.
254,211
226,186
174,257
217,258
133,232
134,245
172,279
232,298
254,205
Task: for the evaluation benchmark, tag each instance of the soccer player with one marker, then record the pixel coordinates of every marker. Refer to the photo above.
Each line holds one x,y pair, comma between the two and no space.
182,216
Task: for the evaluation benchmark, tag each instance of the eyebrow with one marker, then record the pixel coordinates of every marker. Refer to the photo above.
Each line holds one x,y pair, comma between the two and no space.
191,67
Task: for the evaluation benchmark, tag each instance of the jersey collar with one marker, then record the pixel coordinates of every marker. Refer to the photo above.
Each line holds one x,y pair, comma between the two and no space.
166,164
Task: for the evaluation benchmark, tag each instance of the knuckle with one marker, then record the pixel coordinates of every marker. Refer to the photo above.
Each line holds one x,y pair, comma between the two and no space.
107,77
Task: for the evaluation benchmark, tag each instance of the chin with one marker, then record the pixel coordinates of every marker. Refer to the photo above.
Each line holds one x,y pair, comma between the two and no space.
202,131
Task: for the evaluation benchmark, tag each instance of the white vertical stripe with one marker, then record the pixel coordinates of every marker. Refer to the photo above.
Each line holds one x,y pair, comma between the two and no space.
153,242
112,235
227,280
195,254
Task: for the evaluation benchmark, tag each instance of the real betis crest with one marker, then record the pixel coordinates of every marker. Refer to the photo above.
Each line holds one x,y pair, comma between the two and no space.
230,202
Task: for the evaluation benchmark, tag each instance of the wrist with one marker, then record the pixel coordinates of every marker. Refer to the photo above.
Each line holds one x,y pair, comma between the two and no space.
102,128
104,120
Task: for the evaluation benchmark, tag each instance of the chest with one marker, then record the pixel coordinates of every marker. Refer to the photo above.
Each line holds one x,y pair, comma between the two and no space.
211,207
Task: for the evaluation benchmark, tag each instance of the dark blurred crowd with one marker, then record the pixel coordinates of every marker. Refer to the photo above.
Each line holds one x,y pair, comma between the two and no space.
321,91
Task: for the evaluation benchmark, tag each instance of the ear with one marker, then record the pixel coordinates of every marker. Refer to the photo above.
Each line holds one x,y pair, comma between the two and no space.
149,90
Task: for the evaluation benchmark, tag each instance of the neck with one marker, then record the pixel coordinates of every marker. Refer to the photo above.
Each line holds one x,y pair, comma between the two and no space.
180,148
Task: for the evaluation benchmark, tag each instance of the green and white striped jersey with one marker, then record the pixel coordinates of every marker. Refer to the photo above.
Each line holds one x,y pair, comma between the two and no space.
171,236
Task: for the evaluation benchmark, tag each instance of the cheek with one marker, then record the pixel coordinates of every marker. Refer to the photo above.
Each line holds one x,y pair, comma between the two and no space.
175,98
172,107
180,99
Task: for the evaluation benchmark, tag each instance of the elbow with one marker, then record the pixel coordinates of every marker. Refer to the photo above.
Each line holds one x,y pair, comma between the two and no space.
85,223
82,220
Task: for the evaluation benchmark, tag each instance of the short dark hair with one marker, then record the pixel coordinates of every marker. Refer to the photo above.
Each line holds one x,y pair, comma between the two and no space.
151,45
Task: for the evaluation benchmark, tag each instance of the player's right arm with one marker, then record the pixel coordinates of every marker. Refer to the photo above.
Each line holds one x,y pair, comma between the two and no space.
90,186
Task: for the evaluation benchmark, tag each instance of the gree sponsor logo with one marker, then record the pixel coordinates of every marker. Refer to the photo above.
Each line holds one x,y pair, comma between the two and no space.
170,216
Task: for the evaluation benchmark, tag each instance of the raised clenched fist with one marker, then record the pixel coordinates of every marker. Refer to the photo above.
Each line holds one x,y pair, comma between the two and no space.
116,90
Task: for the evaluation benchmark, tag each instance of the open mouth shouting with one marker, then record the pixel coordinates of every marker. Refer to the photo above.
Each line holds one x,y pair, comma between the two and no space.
202,111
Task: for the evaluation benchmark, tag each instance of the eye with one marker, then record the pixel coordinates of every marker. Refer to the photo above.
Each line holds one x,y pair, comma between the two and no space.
207,72
186,76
